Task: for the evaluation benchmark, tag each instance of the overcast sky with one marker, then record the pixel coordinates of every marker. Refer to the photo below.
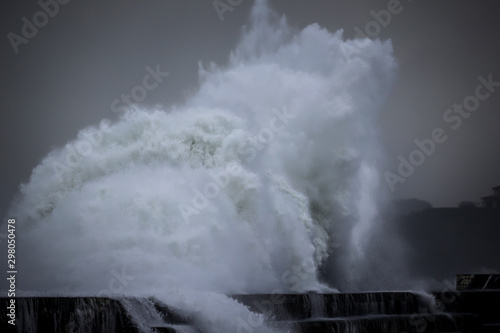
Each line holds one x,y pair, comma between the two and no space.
67,75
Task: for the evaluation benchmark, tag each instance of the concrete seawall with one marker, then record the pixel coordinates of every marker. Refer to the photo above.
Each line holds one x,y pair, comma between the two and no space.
467,311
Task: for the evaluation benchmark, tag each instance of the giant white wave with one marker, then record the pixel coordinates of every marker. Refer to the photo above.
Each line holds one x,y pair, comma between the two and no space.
242,189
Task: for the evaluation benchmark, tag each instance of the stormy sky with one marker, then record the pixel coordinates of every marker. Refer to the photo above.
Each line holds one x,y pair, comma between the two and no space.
68,72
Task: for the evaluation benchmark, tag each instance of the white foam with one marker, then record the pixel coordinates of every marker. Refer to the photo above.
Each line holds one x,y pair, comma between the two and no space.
118,209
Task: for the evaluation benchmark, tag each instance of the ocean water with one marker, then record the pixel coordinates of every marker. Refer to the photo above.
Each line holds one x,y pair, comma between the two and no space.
250,186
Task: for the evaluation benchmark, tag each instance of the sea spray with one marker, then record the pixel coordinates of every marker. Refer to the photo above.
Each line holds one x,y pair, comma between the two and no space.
239,190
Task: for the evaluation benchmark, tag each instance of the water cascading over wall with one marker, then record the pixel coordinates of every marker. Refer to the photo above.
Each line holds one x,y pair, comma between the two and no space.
265,173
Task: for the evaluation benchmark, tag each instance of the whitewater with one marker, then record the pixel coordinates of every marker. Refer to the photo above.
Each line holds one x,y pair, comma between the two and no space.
247,187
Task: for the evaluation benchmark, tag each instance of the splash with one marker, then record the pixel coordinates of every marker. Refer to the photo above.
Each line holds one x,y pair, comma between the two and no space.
240,190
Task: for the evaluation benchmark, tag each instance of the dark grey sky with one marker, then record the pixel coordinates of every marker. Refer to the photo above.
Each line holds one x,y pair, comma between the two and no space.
90,52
